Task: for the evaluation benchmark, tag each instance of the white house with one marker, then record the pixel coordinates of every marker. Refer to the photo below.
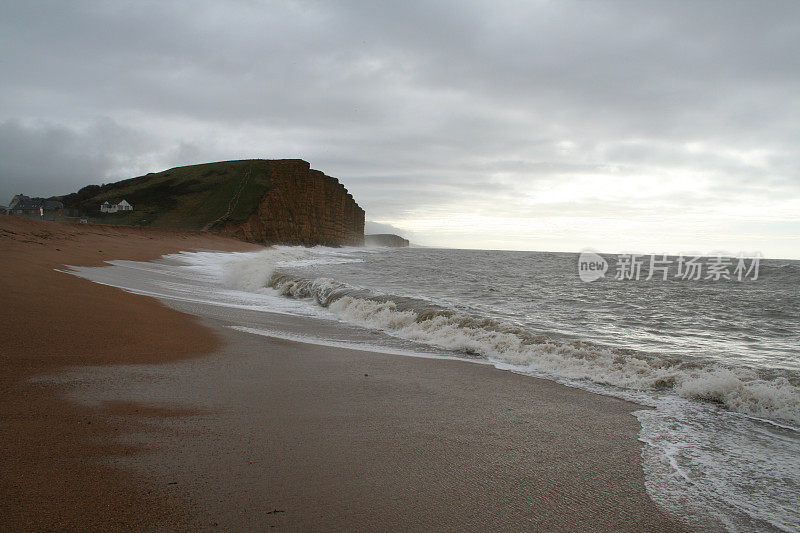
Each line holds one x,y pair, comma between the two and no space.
122,205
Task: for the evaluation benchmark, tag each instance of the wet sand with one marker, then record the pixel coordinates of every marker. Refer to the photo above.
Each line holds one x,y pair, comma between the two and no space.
217,429
51,476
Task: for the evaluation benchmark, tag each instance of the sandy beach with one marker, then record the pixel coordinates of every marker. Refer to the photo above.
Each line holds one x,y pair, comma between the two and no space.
167,421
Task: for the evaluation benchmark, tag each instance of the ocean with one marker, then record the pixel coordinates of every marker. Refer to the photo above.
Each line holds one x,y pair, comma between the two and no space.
714,354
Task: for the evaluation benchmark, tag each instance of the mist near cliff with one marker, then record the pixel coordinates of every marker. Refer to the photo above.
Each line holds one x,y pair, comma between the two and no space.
544,125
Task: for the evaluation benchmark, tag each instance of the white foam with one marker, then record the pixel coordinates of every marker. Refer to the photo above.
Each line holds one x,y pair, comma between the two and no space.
738,389
366,347
720,470
220,279
250,271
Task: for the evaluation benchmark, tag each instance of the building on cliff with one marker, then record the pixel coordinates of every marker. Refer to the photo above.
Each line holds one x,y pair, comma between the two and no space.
114,207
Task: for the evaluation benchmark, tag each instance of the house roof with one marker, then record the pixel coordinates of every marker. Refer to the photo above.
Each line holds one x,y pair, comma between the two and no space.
26,202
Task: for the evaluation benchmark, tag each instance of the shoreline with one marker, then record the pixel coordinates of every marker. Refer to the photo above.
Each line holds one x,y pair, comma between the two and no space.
424,443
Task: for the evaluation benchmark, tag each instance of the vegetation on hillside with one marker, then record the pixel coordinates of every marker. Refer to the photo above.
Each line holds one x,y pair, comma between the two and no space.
191,197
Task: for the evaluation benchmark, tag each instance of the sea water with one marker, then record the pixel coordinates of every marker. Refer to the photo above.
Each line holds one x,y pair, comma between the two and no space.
717,360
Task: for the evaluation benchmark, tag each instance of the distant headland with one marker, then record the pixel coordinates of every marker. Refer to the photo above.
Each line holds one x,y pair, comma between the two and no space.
385,239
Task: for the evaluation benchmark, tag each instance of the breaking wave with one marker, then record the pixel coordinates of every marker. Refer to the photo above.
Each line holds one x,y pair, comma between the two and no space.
774,395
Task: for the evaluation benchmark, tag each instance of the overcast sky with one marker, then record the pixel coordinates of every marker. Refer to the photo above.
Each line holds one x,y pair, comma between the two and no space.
538,125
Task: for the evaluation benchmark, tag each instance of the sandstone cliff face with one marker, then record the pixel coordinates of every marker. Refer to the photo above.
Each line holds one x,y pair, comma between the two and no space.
305,207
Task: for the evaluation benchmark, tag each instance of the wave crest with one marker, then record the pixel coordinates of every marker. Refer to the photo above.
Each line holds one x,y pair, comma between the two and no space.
739,389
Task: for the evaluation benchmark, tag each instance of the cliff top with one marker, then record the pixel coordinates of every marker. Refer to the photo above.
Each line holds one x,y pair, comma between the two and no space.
190,197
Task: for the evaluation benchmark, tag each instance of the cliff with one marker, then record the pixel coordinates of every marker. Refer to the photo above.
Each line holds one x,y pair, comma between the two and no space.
262,201
385,239
304,206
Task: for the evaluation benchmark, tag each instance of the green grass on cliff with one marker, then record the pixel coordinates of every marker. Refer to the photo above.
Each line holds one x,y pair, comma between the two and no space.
188,197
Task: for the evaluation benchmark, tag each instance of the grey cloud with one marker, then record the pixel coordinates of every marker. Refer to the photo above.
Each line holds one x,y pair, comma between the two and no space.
413,105
45,158
372,227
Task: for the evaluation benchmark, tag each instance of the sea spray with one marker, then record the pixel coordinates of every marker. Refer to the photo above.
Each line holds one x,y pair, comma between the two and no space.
252,271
